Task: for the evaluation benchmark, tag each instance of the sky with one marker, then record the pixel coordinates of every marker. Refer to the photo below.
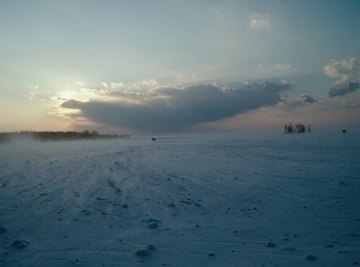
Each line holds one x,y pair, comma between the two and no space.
178,66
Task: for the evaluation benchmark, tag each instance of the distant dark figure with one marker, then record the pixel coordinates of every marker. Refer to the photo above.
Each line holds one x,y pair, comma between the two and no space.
309,129
153,139
344,131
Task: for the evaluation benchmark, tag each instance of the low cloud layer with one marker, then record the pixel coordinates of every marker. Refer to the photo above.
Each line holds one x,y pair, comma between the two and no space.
348,72
172,110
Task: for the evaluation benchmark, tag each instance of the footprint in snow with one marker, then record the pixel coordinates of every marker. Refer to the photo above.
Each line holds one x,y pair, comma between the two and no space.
270,244
20,244
142,252
310,258
2,229
145,251
152,223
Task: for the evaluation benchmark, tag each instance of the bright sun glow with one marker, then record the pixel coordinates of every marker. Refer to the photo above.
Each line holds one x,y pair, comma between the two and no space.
68,95
82,94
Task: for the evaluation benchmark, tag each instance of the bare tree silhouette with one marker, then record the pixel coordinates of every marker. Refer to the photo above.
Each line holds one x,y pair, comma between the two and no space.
297,128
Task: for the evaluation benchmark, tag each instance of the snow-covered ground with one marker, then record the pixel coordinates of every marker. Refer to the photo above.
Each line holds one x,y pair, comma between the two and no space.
246,200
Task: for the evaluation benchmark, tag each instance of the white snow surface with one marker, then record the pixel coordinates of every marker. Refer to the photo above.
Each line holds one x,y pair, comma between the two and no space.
240,200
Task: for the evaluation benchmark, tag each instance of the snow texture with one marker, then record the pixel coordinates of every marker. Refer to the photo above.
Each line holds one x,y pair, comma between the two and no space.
279,200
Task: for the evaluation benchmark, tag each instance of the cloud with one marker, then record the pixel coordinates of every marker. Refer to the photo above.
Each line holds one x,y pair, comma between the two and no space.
345,69
348,70
309,99
283,66
217,12
105,84
35,93
294,103
172,109
343,88
116,85
79,83
72,104
258,21
274,68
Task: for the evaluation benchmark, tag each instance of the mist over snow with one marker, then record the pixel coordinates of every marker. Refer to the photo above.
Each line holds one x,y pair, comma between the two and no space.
173,109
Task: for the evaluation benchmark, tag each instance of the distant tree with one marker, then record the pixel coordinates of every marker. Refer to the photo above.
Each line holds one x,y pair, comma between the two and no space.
289,128
85,133
55,136
297,128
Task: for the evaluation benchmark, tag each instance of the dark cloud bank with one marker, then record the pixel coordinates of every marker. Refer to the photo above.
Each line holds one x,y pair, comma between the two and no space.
172,110
344,88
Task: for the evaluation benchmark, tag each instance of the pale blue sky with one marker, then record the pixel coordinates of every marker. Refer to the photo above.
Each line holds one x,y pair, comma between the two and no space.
52,51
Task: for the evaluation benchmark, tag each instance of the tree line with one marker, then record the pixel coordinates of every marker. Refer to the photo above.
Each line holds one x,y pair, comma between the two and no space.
57,135
296,128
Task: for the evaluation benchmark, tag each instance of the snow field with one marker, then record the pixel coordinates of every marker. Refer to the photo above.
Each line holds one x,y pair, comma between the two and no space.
283,200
